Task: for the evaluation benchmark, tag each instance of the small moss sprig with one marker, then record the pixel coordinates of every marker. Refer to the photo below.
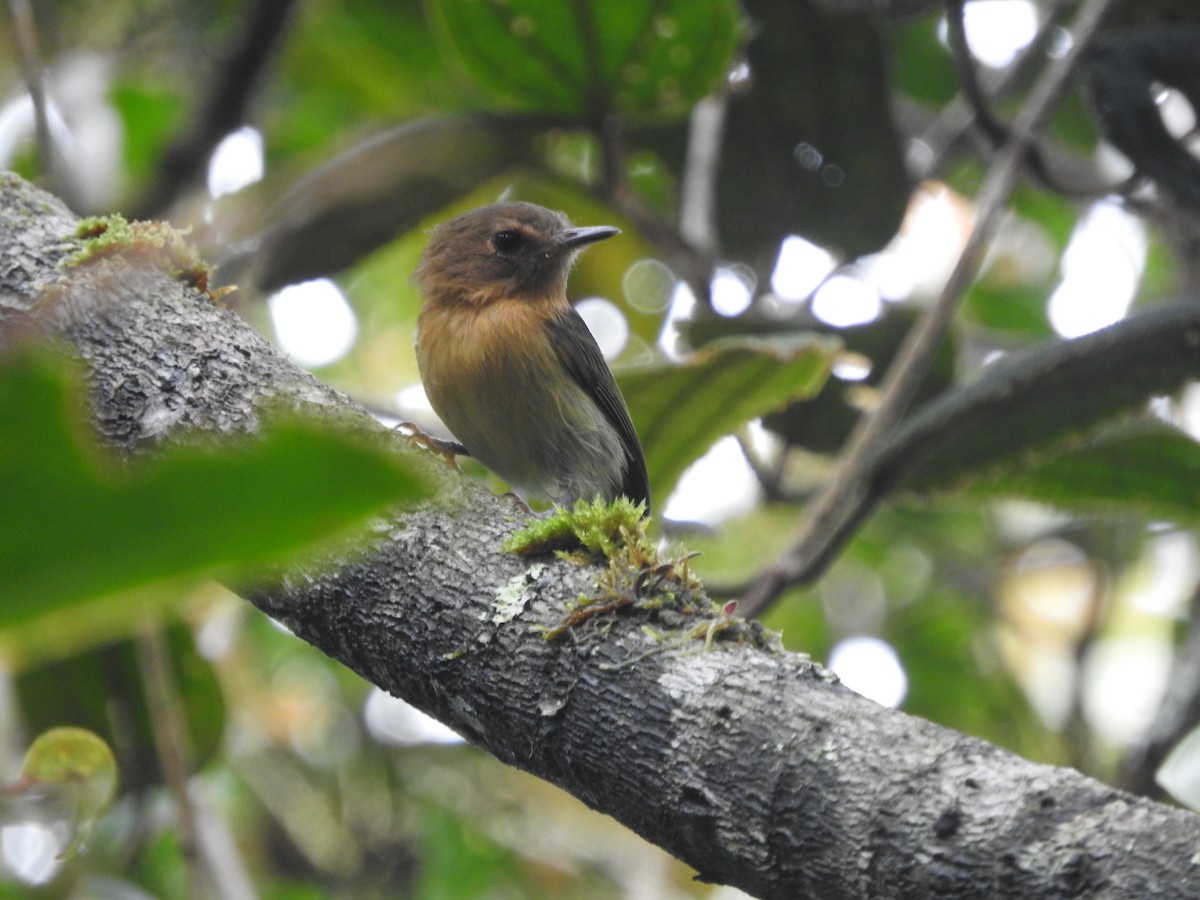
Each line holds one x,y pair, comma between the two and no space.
595,528
159,243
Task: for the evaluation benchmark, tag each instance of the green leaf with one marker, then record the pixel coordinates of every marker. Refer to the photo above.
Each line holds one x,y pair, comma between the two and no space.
680,410
149,112
1143,467
591,57
1052,394
809,146
1016,310
76,525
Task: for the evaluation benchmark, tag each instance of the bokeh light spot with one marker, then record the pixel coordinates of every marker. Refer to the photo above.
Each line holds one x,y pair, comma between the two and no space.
732,291
998,30
844,300
870,667
607,324
1101,267
649,285
314,323
236,162
800,268
392,721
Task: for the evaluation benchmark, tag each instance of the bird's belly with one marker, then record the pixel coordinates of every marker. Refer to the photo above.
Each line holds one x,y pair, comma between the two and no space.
523,416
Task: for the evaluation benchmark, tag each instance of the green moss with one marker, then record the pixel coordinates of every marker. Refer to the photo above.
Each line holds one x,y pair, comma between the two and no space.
597,528
678,613
158,243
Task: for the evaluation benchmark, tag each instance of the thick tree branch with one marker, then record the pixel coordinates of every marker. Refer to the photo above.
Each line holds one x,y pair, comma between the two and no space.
748,762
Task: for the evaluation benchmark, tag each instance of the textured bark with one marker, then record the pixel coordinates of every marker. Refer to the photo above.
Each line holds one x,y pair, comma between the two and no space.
747,762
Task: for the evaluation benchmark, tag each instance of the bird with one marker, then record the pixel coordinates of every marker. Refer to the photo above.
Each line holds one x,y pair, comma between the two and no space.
510,367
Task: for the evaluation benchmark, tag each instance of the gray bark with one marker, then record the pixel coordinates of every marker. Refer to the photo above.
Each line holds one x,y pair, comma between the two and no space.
747,762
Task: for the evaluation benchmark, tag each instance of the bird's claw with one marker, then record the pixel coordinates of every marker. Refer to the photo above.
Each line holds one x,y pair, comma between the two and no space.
447,450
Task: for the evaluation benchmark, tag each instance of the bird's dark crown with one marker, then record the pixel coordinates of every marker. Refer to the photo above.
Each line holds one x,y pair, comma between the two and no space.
504,250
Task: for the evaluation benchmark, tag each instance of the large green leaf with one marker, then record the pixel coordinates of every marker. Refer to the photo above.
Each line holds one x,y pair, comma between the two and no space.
809,146
680,410
1024,409
591,57
75,525
1042,398
1146,468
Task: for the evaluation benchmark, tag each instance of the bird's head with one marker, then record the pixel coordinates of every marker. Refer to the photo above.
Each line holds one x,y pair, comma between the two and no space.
504,251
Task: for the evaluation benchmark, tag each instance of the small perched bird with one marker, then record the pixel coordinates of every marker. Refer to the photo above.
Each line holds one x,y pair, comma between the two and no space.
509,365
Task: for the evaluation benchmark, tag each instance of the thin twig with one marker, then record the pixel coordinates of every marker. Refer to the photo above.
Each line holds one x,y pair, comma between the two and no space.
811,549
996,132
957,116
694,264
968,79
233,83
25,32
166,719
1080,737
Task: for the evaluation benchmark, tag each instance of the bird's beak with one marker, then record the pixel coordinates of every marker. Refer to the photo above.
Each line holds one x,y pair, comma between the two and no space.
577,237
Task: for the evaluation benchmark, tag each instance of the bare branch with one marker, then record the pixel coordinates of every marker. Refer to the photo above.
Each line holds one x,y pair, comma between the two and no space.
234,79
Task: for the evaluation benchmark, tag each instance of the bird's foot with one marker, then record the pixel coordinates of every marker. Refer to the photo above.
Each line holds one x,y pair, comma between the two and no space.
447,450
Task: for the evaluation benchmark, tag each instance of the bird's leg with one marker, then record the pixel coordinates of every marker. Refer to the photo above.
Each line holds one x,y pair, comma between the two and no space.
447,450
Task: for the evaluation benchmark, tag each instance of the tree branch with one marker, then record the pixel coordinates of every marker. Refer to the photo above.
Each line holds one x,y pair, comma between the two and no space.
750,763
1177,714
233,81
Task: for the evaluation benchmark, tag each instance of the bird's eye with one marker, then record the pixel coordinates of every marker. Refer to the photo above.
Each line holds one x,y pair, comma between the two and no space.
507,242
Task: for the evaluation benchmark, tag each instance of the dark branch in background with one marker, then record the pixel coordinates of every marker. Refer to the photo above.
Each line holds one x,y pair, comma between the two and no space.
842,501
1080,740
234,78
694,263
769,478
49,159
948,134
171,746
1121,78
946,130
743,760
968,80
995,132
878,7
694,266
1178,714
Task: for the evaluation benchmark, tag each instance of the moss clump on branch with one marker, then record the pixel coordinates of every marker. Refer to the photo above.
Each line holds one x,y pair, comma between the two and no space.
634,577
158,243
597,529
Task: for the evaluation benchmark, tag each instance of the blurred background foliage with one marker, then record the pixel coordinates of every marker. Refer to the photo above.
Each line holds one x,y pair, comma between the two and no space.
793,183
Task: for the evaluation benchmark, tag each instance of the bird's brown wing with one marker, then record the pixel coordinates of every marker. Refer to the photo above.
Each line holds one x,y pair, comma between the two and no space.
577,350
